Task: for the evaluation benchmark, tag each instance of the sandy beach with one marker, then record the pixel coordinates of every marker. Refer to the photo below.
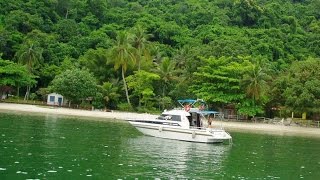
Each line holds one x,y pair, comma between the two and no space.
73,112
277,129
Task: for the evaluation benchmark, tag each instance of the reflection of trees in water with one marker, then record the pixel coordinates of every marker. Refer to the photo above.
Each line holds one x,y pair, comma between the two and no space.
88,147
177,159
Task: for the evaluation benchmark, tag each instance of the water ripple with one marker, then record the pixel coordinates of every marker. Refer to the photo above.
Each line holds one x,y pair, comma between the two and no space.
52,171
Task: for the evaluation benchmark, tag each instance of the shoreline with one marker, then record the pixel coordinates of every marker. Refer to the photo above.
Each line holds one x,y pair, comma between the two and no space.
72,112
272,129
232,126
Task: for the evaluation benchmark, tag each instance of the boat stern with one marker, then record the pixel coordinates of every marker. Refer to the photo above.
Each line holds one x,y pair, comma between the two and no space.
219,136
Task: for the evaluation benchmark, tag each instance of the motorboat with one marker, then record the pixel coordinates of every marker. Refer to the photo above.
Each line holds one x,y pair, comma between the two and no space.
188,123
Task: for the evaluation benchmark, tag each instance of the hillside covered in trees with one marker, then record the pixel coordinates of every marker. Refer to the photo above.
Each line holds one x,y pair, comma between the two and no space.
255,55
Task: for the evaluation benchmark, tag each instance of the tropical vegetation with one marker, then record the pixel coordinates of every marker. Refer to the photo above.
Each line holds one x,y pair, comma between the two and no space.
254,55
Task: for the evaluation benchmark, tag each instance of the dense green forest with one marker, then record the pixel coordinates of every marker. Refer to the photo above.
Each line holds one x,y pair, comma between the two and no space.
253,55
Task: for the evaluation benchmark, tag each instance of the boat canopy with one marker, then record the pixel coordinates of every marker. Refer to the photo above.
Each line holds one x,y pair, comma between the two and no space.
190,101
192,109
208,112
187,101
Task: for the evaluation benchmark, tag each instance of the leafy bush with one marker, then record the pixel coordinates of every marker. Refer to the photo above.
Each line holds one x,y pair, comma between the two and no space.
98,101
125,107
85,105
33,96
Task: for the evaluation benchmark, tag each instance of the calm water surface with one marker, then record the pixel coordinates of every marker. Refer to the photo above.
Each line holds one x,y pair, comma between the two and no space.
56,147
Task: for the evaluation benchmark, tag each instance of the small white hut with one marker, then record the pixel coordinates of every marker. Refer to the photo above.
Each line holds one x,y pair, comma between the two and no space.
55,99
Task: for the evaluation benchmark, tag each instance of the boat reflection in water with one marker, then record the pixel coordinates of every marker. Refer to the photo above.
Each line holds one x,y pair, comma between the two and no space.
185,124
177,159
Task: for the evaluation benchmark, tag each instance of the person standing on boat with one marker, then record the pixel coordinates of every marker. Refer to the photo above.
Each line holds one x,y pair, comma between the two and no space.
187,107
209,122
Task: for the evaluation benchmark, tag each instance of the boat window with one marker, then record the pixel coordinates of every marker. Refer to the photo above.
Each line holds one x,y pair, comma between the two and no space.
175,118
169,117
162,117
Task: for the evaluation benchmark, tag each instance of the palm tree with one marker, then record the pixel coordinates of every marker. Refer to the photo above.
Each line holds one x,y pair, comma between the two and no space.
140,43
110,91
122,56
166,72
29,55
181,57
254,82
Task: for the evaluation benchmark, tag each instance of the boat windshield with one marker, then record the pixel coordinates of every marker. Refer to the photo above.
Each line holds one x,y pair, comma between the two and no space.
169,117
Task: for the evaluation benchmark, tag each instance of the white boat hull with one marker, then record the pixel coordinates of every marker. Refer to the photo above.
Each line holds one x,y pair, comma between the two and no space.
178,133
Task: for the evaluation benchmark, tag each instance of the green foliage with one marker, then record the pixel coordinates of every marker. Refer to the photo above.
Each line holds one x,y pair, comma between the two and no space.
110,92
75,85
33,96
247,107
254,84
302,92
122,51
98,63
48,72
122,55
140,43
43,92
125,107
85,105
255,80
166,71
66,29
22,21
218,80
246,12
30,55
98,101
167,38
16,75
141,83
165,102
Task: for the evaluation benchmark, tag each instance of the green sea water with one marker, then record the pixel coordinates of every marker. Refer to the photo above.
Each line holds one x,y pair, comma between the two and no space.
57,147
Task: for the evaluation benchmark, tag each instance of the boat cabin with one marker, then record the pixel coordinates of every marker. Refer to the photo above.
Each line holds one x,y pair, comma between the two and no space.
192,119
199,117
176,115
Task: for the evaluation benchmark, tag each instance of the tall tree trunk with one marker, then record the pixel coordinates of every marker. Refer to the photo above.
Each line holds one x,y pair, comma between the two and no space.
26,96
67,13
163,90
125,87
139,61
163,94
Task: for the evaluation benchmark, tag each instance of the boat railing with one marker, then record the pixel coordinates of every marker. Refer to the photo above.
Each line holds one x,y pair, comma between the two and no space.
207,128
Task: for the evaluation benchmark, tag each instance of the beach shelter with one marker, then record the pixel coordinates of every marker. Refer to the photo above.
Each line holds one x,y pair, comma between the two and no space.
55,99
